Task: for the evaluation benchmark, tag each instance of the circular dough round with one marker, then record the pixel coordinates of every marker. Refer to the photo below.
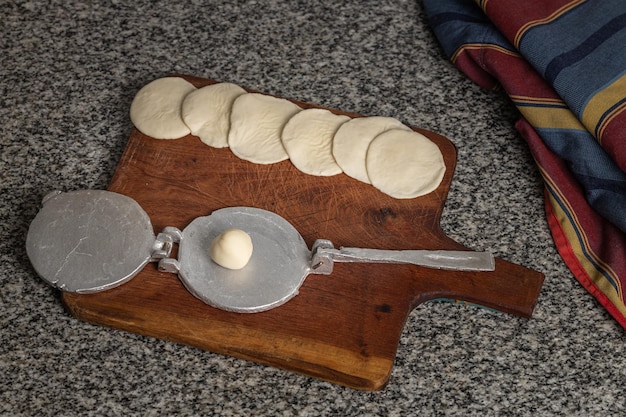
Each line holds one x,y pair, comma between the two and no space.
232,249
156,108
404,164
354,137
206,112
308,137
256,122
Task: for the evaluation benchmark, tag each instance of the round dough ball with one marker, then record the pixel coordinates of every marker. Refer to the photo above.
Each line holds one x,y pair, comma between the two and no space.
351,141
232,249
207,112
156,108
404,164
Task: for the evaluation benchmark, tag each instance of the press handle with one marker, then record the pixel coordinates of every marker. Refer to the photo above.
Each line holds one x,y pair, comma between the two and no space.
324,255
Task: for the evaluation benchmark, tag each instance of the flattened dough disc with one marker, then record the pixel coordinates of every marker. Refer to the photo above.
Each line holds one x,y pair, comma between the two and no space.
404,163
256,123
156,108
206,112
308,137
351,141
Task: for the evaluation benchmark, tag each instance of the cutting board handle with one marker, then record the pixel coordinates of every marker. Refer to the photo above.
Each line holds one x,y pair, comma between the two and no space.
510,288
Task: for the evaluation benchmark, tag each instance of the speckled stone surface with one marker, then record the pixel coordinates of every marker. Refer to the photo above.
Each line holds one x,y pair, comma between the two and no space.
69,72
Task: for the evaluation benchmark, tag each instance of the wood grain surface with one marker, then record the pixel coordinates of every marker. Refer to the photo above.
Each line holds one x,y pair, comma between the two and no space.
342,328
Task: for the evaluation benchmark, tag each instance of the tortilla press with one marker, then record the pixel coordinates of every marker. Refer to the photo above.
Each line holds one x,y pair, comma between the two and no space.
89,241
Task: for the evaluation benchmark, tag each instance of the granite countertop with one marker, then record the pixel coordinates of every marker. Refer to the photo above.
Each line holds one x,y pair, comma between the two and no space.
69,72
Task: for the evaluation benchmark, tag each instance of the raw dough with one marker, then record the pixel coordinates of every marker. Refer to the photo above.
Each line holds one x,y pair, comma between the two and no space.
404,164
353,138
307,138
232,249
256,123
156,109
206,112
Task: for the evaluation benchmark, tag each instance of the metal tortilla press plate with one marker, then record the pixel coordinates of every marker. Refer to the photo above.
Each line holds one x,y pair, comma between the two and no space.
89,240
279,264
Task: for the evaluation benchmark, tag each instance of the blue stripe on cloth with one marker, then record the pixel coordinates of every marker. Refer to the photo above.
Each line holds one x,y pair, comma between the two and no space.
580,52
446,17
520,103
578,83
604,183
586,48
583,153
607,113
453,7
462,25
541,43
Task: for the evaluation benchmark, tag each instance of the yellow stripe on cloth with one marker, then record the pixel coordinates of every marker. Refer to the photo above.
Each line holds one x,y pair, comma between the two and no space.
601,273
607,120
479,46
595,115
547,113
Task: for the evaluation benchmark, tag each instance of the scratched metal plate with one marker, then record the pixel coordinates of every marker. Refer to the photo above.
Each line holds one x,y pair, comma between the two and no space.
279,264
90,240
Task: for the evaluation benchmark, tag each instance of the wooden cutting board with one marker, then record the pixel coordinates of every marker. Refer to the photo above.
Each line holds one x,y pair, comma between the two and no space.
342,328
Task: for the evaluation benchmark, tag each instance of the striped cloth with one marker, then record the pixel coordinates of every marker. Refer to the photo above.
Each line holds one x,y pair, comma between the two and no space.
563,64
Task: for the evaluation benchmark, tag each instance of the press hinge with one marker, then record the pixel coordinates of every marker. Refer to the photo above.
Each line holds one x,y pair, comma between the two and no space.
162,249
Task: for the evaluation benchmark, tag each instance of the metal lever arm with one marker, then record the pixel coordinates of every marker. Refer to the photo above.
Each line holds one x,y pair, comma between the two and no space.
324,254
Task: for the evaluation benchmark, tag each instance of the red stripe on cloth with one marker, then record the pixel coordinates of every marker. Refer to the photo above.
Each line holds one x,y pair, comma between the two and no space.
513,18
486,65
612,134
469,60
572,262
603,244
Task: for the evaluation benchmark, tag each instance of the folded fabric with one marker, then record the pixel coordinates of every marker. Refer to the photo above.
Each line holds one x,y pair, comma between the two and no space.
563,64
